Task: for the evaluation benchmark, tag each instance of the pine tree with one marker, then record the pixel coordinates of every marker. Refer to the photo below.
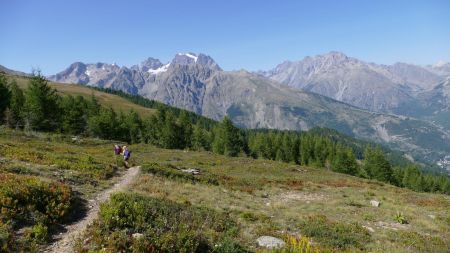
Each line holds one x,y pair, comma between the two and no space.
133,127
345,161
286,148
15,106
171,132
74,120
93,106
186,125
199,138
5,95
231,138
104,124
376,165
41,108
151,132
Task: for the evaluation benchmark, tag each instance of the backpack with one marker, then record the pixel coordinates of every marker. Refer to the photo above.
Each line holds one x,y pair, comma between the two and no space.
117,150
127,154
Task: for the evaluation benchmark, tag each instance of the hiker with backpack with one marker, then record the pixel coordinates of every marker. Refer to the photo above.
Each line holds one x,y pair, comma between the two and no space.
117,153
126,155
117,150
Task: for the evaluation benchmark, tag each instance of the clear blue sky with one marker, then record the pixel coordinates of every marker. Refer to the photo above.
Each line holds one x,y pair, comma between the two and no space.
246,34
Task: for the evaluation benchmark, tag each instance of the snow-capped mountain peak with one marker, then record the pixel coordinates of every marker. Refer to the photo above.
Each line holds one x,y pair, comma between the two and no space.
440,63
159,70
190,55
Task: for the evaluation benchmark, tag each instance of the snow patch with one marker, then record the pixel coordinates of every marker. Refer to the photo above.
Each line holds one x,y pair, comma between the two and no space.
190,56
88,73
161,69
440,63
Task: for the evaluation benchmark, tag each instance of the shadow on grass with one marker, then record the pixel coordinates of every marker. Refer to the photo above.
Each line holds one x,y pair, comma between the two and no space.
77,213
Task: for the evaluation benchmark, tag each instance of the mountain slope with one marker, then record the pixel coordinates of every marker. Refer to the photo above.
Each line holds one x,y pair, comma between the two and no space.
8,71
108,100
432,105
369,86
197,83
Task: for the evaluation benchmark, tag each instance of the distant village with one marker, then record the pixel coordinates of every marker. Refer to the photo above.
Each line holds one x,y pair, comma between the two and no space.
444,162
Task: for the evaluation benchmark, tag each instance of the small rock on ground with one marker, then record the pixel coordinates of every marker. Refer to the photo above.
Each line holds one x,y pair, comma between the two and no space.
370,229
137,235
375,203
270,242
191,171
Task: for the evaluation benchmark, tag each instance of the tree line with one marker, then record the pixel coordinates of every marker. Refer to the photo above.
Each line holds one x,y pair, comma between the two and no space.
40,108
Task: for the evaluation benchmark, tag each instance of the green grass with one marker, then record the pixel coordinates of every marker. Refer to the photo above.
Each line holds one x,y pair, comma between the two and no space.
274,198
87,165
260,197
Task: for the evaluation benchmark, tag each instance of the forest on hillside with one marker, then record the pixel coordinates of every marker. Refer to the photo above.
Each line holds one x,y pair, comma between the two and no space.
40,108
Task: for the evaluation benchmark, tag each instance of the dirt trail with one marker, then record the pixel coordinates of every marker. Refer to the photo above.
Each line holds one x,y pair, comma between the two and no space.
65,243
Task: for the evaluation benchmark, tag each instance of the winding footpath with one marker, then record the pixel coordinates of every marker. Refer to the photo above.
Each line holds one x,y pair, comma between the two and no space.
66,240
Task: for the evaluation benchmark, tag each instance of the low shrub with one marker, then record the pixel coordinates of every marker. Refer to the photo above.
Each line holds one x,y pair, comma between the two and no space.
23,197
88,166
30,201
6,237
162,226
335,234
38,233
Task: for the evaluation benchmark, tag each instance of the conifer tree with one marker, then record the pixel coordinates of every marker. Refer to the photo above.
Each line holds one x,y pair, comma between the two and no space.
41,108
15,106
104,124
171,132
186,125
376,165
5,95
345,161
73,118
226,138
200,139
93,106
151,130
133,127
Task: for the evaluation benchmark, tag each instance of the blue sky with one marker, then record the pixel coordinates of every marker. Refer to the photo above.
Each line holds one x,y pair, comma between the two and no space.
247,34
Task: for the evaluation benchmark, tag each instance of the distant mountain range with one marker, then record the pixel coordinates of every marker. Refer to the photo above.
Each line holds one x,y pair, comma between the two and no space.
330,90
374,87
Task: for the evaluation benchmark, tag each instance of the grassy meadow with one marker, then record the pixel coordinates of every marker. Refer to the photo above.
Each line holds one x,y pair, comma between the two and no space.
250,198
274,198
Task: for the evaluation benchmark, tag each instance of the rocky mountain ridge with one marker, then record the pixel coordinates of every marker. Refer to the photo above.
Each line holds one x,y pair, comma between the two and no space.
374,87
197,83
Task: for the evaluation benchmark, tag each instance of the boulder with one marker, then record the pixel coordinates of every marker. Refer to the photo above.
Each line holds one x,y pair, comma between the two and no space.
375,203
270,242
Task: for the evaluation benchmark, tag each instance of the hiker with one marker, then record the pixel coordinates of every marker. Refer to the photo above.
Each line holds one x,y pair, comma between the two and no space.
126,155
117,153
117,150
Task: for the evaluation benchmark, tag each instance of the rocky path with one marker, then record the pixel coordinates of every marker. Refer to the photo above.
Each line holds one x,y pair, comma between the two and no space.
66,240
